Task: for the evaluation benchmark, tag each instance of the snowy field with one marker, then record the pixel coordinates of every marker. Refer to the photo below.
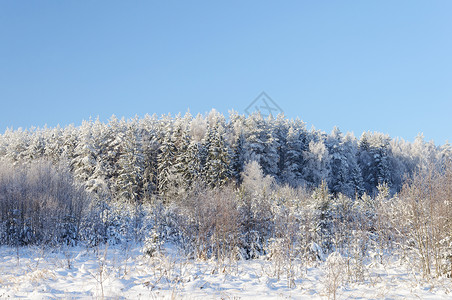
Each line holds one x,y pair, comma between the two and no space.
125,273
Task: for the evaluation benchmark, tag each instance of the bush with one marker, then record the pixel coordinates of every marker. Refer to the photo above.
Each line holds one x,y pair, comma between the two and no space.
39,203
423,219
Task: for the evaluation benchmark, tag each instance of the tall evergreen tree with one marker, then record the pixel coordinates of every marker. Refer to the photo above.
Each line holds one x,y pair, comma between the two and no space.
84,154
238,157
317,163
217,165
270,157
374,160
292,172
131,166
166,162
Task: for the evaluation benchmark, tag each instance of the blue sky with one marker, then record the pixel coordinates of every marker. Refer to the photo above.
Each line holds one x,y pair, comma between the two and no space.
361,65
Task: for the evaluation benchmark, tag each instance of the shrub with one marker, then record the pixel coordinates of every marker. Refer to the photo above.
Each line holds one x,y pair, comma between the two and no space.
424,219
39,203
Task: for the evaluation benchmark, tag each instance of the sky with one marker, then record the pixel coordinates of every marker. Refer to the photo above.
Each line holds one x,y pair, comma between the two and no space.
359,65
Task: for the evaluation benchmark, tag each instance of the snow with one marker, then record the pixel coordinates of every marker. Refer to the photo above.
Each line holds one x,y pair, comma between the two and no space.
123,272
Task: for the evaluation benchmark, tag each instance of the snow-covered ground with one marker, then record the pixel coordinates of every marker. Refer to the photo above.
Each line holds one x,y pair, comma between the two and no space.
123,272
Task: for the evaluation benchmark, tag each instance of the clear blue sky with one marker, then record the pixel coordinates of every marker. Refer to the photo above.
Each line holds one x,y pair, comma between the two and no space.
361,65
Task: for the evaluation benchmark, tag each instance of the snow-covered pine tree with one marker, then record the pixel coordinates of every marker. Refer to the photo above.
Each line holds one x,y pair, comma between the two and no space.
281,128
53,146
131,166
217,170
322,202
70,138
261,143
36,145
374,160
401,162
354,185
317,164
365,162
270,158
97,182
194,162
84,157
255,134
16,145
293,162
445,154
150,152
382,156
423,152
182,176
3,145
238,157
166,162
338,162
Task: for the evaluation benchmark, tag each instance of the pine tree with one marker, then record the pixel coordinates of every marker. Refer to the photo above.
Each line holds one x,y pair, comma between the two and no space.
85,154
365,162
36,145
445,154
97,182
150,153
166,162
322,203
217,165
238,157
70,139
374,160
317,164
131,166
280,132
194,164
16,145
382,156
292,172
53,145
354,185
270,158
339,165
181,166
255,138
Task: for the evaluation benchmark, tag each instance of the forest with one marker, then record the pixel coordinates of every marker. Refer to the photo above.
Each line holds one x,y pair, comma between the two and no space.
230,188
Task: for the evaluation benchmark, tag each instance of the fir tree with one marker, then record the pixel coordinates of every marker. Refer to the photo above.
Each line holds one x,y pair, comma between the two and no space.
131,166
166,162
217,165
238,157
85,154
292,172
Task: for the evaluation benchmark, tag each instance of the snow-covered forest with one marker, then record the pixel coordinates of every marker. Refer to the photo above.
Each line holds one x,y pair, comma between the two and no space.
232,188
142,158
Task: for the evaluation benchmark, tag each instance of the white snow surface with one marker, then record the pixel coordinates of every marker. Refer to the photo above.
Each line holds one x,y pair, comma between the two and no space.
123,272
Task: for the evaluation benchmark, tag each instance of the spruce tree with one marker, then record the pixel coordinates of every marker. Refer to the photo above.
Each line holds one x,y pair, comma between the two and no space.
166,162
131,166
217,165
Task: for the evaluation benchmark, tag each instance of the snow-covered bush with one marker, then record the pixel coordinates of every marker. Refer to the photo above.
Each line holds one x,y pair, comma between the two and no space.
335,266
152,243
210,218
424,219
40,203
254,204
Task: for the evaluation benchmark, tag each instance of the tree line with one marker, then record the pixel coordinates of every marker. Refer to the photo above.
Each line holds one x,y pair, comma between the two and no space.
166,156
